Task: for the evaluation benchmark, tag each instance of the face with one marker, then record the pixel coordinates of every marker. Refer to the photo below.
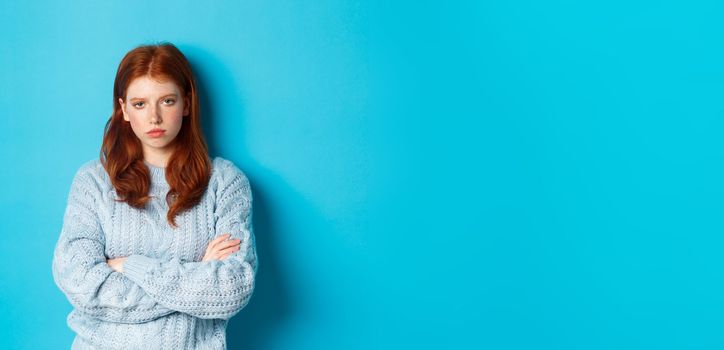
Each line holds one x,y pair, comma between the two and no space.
152,104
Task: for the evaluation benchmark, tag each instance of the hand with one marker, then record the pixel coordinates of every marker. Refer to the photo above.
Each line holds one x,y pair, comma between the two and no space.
220,249
117,263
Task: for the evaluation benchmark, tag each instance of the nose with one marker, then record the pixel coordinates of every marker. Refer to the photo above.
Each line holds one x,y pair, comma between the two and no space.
156,115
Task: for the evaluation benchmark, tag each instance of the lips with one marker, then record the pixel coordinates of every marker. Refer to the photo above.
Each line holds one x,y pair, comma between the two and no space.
156,133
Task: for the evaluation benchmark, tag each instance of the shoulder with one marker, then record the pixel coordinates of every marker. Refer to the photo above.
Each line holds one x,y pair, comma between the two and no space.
89,167
91,175
228,175
88,184
225,170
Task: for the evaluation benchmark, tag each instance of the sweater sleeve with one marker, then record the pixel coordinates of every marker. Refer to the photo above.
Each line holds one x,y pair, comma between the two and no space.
210,289
79,264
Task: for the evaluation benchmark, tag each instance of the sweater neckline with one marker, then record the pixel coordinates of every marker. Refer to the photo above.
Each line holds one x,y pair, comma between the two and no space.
158,174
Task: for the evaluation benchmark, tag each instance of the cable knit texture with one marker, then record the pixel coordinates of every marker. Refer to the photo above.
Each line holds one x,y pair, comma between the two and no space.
166,298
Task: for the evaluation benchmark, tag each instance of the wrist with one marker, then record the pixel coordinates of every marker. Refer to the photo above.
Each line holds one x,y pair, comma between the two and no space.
136,266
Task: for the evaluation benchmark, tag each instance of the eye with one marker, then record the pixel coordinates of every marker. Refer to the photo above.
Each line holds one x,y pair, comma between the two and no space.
169,101
137,104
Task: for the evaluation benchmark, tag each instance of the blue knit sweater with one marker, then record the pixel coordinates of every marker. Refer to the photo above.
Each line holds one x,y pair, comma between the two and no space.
166,298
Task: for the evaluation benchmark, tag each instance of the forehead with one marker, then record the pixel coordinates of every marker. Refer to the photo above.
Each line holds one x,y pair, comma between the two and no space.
146,87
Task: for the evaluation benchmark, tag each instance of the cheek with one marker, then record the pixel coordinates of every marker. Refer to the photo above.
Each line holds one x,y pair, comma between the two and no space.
173,116
133,118
173,111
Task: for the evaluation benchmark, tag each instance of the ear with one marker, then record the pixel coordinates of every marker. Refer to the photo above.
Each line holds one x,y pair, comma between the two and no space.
123,108
187,105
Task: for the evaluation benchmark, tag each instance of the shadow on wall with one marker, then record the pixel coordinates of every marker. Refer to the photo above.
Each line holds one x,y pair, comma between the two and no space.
270,305
253,327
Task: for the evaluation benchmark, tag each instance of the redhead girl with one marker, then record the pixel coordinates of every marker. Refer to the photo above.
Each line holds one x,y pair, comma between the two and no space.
157,247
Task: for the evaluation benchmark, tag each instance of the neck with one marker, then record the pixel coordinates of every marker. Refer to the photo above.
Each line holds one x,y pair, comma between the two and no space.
157,158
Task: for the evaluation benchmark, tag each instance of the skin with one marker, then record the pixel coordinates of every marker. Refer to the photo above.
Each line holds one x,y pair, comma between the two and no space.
154,104
151,104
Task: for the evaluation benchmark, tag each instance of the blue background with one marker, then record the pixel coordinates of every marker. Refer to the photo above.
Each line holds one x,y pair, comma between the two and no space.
490,175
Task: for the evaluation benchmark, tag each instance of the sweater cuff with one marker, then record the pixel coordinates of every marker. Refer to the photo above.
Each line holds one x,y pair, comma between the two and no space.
136,266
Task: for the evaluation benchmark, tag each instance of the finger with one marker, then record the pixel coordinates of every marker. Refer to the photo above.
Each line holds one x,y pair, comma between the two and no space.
219,252
226,252
226,255
226,244
219,239
229,249
218,255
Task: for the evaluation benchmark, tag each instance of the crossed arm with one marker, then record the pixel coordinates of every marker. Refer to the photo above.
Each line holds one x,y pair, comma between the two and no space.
137,288
218,249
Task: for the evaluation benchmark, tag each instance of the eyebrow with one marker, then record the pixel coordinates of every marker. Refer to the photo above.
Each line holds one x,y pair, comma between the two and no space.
164,96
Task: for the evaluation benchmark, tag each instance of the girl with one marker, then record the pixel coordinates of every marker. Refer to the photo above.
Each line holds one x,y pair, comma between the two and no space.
157,248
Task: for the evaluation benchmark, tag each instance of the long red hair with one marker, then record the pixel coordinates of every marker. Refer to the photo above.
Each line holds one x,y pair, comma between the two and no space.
189,169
